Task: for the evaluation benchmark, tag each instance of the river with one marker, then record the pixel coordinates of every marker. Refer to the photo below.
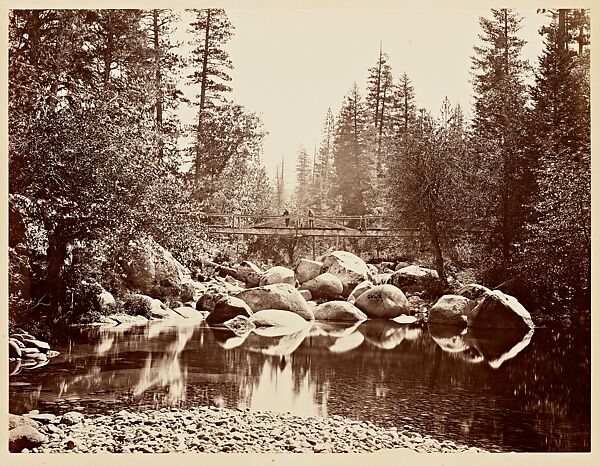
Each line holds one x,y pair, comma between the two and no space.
495,390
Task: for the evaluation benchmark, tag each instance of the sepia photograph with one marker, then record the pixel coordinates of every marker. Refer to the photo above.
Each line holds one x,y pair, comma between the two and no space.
295,227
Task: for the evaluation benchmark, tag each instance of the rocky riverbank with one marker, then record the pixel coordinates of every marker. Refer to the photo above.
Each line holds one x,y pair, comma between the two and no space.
216,430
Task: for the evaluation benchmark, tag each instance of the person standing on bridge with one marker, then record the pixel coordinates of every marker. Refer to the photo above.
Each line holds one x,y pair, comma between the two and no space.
311,216
286,216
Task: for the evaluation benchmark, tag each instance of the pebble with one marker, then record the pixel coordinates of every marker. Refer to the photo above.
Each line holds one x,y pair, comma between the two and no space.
215,430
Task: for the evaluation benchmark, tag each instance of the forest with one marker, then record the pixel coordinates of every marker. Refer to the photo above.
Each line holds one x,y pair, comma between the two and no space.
99,159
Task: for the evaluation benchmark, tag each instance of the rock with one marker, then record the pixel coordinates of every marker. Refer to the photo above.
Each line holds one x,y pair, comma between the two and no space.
280,296
382,278
418,279
349,268
250,273
24,436
383,301
277,318
498,310
106,302
520,289
38,344
152,270
209,299
278,274
71,418
19,421
451,310
372,269
307,270
360,289
324,286
227,308
384,334
14,351
384,266
139,304
126,319
401,265
472,291
240,325
339,311
307,295
42,418
188,312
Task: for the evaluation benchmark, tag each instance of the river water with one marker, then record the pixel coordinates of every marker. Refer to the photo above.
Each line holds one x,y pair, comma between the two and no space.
495,390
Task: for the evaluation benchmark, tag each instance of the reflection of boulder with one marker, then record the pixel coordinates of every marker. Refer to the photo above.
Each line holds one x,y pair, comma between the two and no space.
347,343
226,338
383,301
275,346
240,325
277,318
385,334
498,310
498,346
336,329
448,338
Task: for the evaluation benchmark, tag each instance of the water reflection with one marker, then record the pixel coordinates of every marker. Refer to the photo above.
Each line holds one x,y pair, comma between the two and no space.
471,384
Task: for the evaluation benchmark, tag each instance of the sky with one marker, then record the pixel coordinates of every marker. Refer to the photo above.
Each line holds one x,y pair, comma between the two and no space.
290,66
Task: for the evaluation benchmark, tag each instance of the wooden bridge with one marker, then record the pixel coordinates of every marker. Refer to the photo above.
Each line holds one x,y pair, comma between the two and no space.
364,226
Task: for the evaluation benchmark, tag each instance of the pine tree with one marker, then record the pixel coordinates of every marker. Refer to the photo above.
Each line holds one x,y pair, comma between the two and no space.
559,233
325,163
404,108
212,29
303,180
379,96
500,98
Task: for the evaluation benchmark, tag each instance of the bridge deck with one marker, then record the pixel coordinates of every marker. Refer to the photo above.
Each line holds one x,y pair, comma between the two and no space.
345,233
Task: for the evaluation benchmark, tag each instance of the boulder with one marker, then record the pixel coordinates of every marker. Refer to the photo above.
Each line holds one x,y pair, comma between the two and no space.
307,295
278,274
324,286
382,278
498,310
277,318
520,289
227,308
14,350
209,299
401,265
383,301
18,421
23,437
240,325
307,270
280,296
38,344
188,312
472,291
385,266
152,270
372,269
360,289
250,273
451,310
339,311
415,278
124,319
71,418
349,268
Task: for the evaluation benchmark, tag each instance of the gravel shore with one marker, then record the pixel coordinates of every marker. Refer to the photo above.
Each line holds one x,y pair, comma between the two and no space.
217,430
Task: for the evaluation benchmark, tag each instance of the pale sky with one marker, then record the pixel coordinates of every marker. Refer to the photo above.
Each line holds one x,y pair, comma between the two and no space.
290,66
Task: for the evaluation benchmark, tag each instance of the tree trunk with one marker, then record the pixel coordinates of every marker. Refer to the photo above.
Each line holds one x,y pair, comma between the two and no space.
202,98
57,253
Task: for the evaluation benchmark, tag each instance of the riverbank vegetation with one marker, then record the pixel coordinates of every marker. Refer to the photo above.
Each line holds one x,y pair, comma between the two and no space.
100,161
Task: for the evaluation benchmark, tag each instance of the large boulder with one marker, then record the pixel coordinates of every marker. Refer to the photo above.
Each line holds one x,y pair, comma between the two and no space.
152,270
382,278
280,296
339,311
226,309
383,301
278,274
18,421
498,310
142,305
349,268
451,310
277,318
520,289
209,300
360,289
415,278
472,291
307,270
188,312
250,273
324,286
24,436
